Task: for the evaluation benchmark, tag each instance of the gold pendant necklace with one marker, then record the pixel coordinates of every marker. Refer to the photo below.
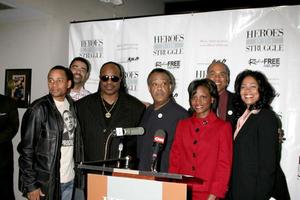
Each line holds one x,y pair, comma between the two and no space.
108,114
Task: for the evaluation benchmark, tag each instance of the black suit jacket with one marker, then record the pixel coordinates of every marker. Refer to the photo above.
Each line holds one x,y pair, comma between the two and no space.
256,160
127,113
231,114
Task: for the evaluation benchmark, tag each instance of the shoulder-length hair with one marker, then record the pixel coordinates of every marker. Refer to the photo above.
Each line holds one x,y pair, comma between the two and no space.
212,89
265,89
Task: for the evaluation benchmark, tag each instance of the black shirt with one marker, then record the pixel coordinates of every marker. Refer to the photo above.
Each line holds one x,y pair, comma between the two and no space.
165,118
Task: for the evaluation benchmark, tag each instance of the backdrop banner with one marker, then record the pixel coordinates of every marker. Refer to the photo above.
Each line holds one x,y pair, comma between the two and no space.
266,39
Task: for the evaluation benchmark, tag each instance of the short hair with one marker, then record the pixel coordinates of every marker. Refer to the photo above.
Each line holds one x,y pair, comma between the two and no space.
166,72
123,86
265,89
212,89
67,71
220,62
85,61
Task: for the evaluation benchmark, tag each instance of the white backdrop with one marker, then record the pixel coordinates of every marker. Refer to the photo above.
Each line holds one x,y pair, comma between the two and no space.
265,39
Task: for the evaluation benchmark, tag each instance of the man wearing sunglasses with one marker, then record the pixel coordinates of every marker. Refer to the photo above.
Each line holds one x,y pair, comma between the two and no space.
110,107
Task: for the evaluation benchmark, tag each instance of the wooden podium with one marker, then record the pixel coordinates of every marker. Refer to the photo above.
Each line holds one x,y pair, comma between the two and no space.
104,183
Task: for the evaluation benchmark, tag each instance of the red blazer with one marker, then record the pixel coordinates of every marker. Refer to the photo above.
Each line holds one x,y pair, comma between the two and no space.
203,148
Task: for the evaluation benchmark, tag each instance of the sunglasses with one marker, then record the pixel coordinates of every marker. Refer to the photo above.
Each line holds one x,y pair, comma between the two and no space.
112,78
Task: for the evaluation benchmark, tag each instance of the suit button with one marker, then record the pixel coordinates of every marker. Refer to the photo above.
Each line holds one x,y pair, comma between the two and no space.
194,155
195,142
193,168
197,130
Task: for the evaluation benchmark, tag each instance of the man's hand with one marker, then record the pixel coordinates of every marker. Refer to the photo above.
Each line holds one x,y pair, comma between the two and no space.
35,194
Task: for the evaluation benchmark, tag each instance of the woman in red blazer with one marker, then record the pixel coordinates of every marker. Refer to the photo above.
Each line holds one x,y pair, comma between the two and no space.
203,144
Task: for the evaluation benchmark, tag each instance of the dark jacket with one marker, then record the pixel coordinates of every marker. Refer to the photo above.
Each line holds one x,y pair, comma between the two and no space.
165,118
9,125
256,170
95,130
231,114
41,138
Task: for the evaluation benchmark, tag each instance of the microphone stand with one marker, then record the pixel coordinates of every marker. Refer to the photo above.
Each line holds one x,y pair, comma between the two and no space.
102,162
106,146
120,151
154,165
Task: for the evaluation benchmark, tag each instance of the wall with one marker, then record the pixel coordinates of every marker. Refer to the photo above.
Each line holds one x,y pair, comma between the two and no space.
42,41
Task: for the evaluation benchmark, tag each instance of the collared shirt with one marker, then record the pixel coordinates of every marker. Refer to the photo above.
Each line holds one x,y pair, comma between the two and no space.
242,120
78,95
222,107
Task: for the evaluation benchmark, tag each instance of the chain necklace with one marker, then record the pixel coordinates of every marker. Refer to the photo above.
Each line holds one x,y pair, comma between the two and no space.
108,114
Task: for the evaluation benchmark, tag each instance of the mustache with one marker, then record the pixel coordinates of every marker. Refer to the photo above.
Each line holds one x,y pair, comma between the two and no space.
77,74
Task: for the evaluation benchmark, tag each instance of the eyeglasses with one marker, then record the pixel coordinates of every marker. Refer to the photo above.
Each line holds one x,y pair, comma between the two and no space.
112,78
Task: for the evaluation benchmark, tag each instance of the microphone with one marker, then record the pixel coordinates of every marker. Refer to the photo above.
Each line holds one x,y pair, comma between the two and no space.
158,142
127,159
120,154
118,132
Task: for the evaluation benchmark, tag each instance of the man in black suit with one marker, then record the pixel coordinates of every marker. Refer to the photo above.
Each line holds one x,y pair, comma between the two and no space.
9,125
219,72
163,114
101,112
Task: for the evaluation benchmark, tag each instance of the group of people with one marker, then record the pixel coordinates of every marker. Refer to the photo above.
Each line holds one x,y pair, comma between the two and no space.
227,142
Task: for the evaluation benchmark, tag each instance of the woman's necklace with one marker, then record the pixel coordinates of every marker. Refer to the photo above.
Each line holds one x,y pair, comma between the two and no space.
108,114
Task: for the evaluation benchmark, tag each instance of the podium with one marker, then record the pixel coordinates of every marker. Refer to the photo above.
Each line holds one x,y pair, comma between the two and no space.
104,183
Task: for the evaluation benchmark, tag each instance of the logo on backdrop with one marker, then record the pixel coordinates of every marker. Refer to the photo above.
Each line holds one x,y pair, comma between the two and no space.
129,59
132,59
269,39
168,44
132,80
200,74
264,62
201,68
171,64
91,48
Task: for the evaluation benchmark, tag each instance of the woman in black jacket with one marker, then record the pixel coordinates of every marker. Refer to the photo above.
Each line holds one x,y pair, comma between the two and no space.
256,170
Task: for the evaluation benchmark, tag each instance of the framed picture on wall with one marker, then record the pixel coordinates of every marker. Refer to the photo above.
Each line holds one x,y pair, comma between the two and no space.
18,86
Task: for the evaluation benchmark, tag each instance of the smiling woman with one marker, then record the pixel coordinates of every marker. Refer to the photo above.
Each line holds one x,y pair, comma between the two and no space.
256,170
203,144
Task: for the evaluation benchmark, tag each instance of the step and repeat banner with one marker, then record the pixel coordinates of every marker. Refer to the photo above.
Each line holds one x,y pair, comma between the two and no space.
266,39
